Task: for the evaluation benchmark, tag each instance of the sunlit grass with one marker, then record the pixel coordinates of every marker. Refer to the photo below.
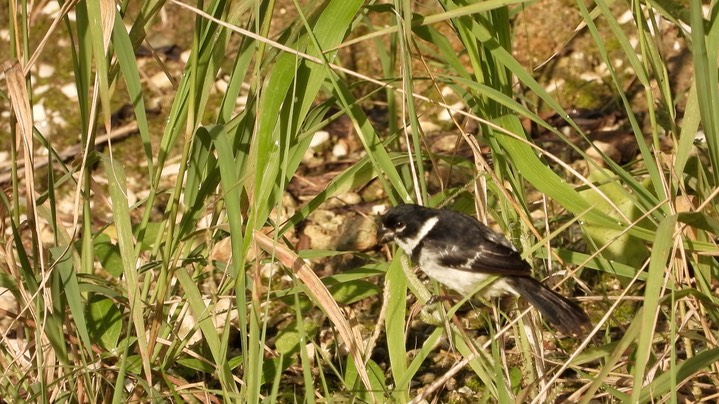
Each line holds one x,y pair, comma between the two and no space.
186,287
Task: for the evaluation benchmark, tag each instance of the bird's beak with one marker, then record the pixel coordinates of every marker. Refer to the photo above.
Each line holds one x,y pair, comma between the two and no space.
384,234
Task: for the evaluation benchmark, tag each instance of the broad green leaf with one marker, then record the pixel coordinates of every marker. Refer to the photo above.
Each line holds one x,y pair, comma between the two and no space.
616,244
108,254
104,321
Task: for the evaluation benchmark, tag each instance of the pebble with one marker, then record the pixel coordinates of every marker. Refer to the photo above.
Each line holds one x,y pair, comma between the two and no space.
319,138
221,85
70,91
38,112
44,70
38,90
633,42
40,118
590,76
447,91
628,16
57,120
428,126
379,209
445,115
185,56
602,69
427,378
51,8
340,149
161,81
554,85
170,170
606,148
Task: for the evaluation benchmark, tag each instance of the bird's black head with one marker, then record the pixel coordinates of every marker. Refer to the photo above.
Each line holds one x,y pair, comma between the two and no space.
402,222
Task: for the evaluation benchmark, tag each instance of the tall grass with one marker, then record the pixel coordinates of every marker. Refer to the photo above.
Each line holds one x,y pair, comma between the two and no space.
166,296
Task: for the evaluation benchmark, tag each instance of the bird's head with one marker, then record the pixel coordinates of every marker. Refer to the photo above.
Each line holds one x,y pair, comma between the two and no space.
402,222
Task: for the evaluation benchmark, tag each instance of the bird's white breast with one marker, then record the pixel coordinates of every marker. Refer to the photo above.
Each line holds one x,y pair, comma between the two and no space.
463,281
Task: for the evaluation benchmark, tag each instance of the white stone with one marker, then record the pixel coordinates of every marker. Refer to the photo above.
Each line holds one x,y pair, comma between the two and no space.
340,149
626,17
70,91
51,8
447,91
428,126
57,120
161,81
602,69
221,85
445,115
590,76
170,170
185,56
577,56
38,112
319,138
44,70
39,90
379,209
554,85
633,41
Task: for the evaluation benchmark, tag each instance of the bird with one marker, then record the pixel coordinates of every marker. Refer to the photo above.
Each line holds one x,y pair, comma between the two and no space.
460,252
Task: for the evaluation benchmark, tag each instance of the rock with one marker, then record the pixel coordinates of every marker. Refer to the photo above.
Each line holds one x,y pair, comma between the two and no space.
605,148
70,91
340,149
44,70
319,138
348,231
429,126
160,81
221,85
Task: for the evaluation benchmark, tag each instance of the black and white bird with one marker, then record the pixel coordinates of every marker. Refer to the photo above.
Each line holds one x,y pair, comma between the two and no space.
461,253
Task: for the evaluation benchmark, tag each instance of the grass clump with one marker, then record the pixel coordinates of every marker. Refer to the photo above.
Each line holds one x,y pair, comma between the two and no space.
194,278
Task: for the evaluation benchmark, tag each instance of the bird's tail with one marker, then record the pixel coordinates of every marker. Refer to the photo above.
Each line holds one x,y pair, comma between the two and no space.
565,315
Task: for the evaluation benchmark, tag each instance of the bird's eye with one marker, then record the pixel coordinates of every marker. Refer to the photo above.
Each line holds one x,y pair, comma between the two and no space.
399,225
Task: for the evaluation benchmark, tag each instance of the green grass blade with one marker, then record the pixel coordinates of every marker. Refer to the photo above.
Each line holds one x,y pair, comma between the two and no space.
121,212
126,59
705,51
396,300
658,271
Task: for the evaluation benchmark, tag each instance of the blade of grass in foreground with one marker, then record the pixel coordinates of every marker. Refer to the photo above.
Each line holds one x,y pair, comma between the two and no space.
705,51
656,277
121,213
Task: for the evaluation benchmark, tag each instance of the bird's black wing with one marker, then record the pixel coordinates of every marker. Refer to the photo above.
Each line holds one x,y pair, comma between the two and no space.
461,242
